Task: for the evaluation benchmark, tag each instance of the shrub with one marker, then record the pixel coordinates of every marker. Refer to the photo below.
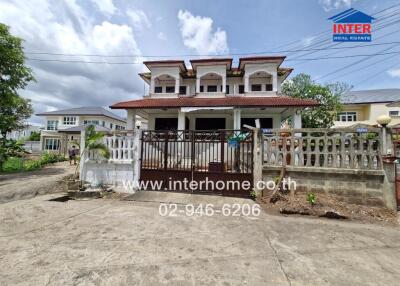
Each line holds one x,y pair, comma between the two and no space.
311,198
31,165
48,158
12,164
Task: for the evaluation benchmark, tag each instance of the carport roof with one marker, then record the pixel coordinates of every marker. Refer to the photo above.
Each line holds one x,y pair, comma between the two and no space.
234,101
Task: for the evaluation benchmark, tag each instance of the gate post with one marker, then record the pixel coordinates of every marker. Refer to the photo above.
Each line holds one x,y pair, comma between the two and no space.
257,161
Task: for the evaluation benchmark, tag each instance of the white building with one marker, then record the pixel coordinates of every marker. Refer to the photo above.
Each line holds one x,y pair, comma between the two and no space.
213,94
63,127
24,133
365,106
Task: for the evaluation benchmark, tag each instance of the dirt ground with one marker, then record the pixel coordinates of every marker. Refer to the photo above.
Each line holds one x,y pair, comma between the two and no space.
327,205
24,185
112,242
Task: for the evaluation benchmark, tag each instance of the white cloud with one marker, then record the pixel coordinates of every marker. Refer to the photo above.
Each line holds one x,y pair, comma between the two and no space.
105,6
67,28
161,36
139,19
336,4
197,34
394,72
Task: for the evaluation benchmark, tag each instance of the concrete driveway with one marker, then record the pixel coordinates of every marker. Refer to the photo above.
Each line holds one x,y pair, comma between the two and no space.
110,242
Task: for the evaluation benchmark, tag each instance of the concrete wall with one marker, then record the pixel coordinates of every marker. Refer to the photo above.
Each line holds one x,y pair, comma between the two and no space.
364,187
98,173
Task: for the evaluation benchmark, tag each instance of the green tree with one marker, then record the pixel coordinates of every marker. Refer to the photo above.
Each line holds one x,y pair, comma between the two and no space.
14,76
34,136
328,96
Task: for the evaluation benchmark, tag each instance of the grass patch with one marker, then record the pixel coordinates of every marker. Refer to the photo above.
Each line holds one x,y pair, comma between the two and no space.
19,164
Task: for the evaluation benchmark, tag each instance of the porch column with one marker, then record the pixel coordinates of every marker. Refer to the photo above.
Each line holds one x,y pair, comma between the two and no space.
224,84
236,119
181,120
296,119
177,84
131,120
275,82
152,85
234,88
246,83
197,85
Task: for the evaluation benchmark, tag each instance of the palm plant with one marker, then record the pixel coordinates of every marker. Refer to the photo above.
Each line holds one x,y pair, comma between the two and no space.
93,142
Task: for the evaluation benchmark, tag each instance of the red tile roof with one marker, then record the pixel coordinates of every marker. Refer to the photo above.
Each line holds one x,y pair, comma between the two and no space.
235,101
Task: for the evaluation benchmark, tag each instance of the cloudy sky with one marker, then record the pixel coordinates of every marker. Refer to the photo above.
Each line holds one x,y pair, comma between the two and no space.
66,39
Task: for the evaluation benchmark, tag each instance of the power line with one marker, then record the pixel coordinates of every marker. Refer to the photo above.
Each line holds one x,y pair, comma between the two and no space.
362,67
327,42
234,54
312,50
351,64
375,74
135,63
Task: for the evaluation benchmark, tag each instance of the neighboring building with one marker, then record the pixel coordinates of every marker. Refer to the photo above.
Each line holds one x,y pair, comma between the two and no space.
365,106
24,133
214,95
63,126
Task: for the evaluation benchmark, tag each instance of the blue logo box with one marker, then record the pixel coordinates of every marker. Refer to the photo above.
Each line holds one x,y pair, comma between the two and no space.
351,38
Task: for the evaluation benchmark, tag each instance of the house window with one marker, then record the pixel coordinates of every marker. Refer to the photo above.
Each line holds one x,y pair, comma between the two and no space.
69,120
103,123
182,89
227,89
201,88
52,144
256,87
158,89
91,122
211,88
347,116
241,89
268,87
393,113
210,123
111,126
264,122
166,124
170,89
52,125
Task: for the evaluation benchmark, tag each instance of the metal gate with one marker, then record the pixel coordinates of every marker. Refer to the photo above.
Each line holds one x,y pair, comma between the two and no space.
211,161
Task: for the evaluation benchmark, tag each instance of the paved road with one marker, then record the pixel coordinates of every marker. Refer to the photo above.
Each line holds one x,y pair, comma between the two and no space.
26,185
110,242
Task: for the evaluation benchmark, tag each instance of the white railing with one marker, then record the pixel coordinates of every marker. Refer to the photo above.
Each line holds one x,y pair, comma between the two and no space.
323,148
123,147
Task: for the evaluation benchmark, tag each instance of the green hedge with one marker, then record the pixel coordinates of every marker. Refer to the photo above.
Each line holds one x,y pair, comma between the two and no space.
14,164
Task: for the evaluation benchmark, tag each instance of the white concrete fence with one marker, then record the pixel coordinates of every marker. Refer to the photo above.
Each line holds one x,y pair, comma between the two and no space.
323,148
123,165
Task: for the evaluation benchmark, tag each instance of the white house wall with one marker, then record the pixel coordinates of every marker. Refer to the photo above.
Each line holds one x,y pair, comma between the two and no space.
227,114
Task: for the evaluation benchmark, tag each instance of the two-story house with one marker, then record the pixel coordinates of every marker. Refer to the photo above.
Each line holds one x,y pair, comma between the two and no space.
213,94
63,127
363,107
